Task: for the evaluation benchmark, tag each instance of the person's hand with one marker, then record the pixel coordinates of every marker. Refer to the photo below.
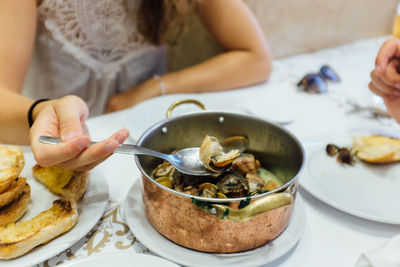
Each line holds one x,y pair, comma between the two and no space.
148,89
385,79
65,118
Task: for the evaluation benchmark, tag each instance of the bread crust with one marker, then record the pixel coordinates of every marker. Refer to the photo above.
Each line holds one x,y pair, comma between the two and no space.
4,184
14,210
11,162
13,191
74,189
17,239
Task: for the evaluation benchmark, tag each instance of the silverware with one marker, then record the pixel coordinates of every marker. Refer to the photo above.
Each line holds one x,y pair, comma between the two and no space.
186,161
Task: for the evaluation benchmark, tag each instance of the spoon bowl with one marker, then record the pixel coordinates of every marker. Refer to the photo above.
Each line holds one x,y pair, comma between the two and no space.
186,161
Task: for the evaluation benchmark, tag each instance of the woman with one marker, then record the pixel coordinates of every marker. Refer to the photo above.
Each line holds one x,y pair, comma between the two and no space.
385,79
64,117
108,51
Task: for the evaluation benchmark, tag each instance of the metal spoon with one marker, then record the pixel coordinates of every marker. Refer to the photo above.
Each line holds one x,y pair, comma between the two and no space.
186,161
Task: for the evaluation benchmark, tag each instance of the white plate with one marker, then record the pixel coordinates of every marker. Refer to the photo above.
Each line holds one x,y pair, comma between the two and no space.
90,209
369,191
122,259
158,244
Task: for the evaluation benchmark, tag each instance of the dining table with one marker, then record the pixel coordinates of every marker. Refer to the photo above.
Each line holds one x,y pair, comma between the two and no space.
331,234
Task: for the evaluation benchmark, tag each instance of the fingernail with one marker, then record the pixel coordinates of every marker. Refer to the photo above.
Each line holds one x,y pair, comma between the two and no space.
111,146
121,138
397,85
69,135
82,143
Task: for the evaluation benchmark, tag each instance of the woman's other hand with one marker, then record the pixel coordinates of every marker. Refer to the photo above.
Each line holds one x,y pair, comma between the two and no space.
65,118
385,79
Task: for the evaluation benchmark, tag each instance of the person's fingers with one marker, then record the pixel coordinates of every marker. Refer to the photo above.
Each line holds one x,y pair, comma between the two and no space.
392,75
93,153
49,155
121,137
378,92
382,86
96,152
71,112
46,123
389,50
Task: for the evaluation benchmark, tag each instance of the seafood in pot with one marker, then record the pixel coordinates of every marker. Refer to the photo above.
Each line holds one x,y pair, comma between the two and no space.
213,155
243,174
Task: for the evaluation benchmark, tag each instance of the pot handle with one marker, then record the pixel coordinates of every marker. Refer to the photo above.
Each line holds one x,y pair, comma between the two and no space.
255,208
184,101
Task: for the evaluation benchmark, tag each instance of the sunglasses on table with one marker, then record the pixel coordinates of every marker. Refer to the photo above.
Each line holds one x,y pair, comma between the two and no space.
316,82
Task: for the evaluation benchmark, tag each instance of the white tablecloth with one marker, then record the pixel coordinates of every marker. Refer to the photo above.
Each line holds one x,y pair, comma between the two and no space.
331,237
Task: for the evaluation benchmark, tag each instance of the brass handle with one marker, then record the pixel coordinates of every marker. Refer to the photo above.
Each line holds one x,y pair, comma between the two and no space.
255,208
184,101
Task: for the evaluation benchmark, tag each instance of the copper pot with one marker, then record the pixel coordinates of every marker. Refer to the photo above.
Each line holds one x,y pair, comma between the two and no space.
212,224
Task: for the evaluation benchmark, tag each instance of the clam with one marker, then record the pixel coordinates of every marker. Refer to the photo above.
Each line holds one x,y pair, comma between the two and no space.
255,182
166,181
233,185
207,190
164,169
245,163
190,190
214,157
238,142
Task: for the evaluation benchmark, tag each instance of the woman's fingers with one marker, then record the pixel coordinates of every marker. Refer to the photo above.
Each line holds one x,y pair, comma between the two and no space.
47,122
96,153
71,112
48,155
90,166
65,118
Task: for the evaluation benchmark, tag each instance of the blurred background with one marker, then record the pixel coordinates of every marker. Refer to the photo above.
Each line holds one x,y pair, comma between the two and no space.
293,27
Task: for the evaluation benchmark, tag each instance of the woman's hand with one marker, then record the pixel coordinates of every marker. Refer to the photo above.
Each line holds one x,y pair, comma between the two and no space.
148,89
65,118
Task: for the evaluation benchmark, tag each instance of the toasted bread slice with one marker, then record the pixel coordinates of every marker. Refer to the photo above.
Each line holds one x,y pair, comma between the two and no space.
5,184
13,211
63,182
13,192
377,149
11,162
17,239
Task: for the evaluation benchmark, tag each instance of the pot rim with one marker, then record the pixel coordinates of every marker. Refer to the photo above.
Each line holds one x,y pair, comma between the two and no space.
221,200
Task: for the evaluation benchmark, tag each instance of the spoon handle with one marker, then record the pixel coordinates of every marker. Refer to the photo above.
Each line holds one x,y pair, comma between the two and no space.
122,149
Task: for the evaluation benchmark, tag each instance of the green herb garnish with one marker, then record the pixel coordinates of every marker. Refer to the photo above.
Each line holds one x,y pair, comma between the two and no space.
244,203
201,204
226,212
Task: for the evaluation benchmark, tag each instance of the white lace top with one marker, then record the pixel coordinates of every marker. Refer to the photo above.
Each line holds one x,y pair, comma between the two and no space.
90,48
